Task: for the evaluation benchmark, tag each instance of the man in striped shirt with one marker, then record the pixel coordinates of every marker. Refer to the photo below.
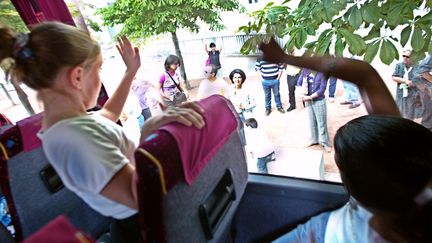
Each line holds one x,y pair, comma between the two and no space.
270,76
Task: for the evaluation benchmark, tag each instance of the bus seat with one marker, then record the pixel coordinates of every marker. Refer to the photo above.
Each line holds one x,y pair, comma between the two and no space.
173,208
5,236
34,192
59,230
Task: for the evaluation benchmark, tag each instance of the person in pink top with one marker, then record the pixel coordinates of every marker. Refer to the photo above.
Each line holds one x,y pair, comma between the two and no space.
170,81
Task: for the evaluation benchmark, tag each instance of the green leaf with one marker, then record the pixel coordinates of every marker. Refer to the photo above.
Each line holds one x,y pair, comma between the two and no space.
244,29
301,38
394,50
310,44
269,4
428,41
323,46
426,19
394,14
355,18
356,44
310,30
371,52
290,43
386,54
417,40
348,13
324,34
373,33
248,46
370,13
337,23
339,46
405,34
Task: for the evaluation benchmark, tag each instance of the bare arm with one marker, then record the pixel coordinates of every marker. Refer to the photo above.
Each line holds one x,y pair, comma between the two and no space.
402,80
206,49
375,94
122,187
114,105
279,75
427,76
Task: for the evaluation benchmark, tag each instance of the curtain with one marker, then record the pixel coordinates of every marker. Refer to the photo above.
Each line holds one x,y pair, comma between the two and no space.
36,11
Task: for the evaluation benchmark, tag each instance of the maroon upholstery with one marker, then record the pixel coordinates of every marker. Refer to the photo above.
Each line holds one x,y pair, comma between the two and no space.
13,140
59,230
161,165
12,143
198,146
29,127
163,147
36,11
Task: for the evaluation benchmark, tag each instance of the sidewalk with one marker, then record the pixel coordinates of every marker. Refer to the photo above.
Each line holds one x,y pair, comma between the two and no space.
290,131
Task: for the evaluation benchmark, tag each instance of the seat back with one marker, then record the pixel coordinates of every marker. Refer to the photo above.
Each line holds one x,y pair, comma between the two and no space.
35,193
173,210
5,236
59,230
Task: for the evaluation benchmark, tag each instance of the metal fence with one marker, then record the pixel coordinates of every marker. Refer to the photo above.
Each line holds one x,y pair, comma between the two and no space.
231,45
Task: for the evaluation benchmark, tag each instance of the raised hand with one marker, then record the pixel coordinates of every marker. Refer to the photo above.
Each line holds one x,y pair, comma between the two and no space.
129,54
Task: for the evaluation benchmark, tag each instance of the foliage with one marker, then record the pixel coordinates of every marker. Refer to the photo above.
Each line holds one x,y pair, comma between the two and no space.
10,17
146,18
93,25
141,19
364,27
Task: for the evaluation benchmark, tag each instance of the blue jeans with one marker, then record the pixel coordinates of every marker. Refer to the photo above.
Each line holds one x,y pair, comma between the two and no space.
292,82
268,85
332,87
146,113
262,163
352,93
141,121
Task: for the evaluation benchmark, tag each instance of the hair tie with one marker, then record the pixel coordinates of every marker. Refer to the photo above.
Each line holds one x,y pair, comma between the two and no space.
424,196
21,50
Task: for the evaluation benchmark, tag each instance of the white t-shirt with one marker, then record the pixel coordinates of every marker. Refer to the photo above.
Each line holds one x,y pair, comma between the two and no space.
208,88
87,152
292,70
258,142
238,98
350,224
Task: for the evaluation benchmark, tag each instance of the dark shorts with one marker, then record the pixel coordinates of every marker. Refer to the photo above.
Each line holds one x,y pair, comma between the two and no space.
126,230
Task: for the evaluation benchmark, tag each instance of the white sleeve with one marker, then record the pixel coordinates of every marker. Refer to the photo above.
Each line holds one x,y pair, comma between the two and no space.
85,159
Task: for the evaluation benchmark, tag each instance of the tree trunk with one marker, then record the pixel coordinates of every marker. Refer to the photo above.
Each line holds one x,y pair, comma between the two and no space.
80,18
23,97
178,53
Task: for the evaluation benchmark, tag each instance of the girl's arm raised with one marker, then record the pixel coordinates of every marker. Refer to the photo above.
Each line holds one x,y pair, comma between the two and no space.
114,105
